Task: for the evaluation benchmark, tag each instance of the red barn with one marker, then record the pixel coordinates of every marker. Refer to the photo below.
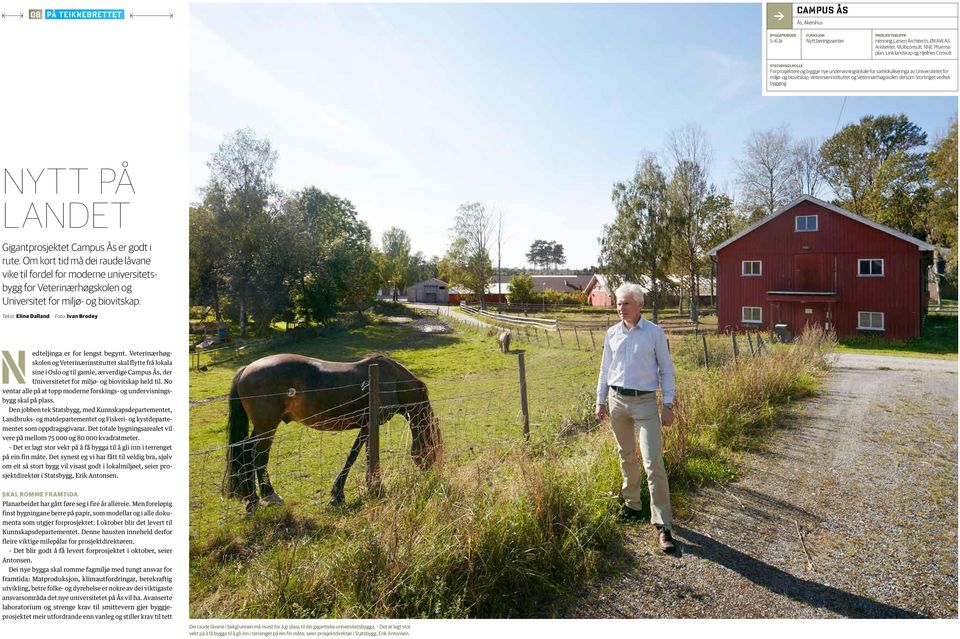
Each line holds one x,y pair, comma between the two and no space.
813,262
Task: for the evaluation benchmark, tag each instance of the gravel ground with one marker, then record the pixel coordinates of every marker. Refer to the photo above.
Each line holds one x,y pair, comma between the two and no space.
850,511
430,325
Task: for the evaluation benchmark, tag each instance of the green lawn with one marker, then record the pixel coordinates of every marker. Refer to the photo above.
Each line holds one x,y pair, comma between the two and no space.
938,341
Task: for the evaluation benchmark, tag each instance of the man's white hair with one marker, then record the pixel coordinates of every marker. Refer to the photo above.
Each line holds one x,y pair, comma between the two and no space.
631,289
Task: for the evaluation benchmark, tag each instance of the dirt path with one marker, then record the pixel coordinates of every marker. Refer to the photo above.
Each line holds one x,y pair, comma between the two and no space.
850,512
447,311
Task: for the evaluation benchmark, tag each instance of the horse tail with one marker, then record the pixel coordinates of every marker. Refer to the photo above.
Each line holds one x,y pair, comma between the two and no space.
239,456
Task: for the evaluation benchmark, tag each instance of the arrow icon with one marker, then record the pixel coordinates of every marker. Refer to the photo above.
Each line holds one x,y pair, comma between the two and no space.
778,15
150,15
11,15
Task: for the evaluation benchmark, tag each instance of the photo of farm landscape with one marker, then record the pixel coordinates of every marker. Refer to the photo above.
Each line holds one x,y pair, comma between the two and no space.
803,269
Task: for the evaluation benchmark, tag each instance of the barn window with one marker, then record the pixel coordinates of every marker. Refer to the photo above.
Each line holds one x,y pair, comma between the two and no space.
806,223
869,321
749,267
870,268
752,314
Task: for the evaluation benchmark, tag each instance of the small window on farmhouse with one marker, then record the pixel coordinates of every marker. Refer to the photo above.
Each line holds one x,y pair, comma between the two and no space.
750,267
870,268
869,321
752,314
806,223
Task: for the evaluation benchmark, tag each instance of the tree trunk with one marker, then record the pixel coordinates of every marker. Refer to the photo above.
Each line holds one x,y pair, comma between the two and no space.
936,277
655,294
713,285
217,313
243,310
693,294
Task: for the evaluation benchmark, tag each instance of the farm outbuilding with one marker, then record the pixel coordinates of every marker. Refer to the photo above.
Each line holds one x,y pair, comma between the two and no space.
560,283
598,290
811,262
491,296
431,290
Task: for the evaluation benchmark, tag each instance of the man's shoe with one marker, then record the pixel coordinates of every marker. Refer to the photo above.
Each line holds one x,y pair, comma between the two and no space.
628,515
665,540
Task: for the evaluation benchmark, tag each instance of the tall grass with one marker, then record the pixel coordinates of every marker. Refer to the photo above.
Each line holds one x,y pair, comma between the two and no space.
726,409
502,538
513,532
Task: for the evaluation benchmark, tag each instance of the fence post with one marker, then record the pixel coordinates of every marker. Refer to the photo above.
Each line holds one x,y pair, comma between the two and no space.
706,356
577,336
750,341
523,398
373,434
736,351
761,347
593,343
559,334
546,334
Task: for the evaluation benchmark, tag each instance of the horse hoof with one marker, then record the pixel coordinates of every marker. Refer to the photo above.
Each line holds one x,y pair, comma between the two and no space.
336,500
252,507
273,499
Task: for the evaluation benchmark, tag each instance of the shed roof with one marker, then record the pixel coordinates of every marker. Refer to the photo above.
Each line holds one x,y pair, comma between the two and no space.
432,280
921,245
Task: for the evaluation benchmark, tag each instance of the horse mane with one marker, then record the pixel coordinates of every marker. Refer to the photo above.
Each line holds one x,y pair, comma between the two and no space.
383,355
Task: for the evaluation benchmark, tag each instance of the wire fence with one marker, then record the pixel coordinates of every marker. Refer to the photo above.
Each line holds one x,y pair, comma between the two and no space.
578,334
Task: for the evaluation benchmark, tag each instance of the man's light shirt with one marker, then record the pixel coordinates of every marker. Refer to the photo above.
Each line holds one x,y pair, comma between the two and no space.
637,359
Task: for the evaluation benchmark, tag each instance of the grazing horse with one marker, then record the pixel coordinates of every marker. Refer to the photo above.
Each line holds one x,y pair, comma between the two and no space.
503,341
330,396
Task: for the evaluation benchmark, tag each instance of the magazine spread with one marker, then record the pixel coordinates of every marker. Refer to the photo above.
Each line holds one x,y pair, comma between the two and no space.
392,320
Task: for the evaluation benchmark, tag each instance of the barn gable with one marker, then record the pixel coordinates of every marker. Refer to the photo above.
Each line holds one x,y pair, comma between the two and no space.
921,245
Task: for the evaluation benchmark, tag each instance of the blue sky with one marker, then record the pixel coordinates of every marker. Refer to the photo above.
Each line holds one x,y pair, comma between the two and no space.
410,110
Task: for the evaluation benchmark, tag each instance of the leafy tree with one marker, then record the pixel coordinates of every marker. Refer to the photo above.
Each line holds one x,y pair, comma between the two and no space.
274,268
765,172
876,169
722,222
467,261
521,289
336,264
557,255
242,200
543,253
207,267
940,220
638,242
396,259
422,268
539,254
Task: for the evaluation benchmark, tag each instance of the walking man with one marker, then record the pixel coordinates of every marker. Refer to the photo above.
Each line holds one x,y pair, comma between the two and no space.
635,362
